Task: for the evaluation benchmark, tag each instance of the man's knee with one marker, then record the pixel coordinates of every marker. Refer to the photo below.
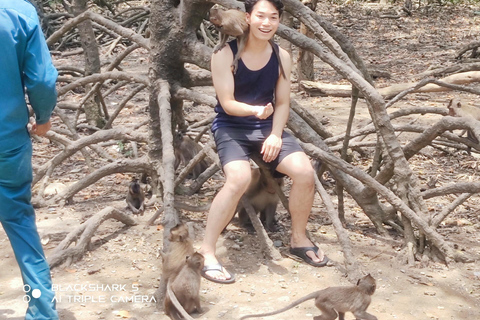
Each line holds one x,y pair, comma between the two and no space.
303,174
298,168
238,178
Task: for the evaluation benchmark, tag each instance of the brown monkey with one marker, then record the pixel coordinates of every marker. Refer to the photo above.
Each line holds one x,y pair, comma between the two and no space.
457,109
181,246
335,301
229,23
185,288
261,194
185,150
234,23
135,197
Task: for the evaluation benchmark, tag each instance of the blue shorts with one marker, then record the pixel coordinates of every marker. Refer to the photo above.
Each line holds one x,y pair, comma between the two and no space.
238,144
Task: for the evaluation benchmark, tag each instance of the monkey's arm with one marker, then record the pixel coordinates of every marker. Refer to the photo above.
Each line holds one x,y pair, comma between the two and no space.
224,86
221,44
272,145
132,207
130,199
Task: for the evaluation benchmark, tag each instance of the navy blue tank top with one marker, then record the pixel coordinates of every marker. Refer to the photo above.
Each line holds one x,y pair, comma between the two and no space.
251,87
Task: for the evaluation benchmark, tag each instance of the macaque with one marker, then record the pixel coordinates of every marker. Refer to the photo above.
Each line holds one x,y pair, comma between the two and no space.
185,289
185,150
336,301
264,199
234,23
229,22
135,197
181,246
457,109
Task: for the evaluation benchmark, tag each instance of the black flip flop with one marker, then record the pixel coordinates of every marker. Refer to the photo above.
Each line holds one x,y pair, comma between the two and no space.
301,252
217,267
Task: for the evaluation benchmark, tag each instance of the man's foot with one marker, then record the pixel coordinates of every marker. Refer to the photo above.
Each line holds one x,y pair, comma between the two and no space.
302,253
214,271
316,256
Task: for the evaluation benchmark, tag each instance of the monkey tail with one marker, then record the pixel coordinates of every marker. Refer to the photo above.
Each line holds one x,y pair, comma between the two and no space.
290,306
176,303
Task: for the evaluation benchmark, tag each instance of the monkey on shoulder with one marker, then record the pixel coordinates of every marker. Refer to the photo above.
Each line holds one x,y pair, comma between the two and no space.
229,23
336,301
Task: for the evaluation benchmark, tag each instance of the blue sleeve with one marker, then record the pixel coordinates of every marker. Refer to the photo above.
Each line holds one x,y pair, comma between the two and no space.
40,76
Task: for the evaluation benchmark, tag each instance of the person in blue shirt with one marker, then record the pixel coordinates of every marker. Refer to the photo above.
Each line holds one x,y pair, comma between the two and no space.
25,67
252,111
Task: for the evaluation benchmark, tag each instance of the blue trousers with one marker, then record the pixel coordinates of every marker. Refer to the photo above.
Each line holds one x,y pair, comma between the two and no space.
18,219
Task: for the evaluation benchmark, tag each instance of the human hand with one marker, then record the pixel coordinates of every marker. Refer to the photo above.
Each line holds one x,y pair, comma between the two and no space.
41,129
271,148
264,112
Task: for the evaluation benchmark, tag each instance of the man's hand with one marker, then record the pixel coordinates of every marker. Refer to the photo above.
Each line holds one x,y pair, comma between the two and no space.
41,129
264,112
271,147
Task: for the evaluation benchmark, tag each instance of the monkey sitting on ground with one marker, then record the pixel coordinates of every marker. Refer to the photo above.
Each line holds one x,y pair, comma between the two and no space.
185,289
234,23
336,301
264,199
135,197
185,150
181,246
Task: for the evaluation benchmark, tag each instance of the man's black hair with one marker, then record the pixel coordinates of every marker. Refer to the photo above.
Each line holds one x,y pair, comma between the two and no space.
249,4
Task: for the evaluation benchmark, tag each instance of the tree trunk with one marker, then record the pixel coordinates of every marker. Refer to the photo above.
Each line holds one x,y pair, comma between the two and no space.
287,20
92,63
173,40
305,70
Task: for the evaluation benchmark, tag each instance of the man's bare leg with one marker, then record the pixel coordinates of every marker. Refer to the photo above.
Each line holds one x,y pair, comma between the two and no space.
222,210
298,167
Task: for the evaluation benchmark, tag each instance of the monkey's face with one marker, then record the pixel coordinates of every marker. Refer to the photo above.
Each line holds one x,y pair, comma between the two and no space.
213,16
264,20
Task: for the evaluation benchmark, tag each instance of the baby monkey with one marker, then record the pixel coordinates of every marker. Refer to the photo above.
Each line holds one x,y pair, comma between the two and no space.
135,197
185,150
184,291
181,246
234,23
336,301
